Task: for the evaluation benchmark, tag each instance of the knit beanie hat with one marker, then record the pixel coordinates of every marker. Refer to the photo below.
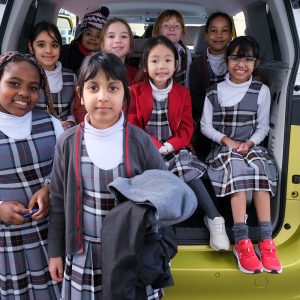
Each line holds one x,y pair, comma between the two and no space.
94,19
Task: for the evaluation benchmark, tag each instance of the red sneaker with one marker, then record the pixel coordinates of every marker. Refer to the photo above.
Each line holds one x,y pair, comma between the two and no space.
247,260
267,252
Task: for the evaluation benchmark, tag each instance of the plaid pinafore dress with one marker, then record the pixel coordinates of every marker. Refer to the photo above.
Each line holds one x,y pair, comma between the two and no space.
182,163
62,101
23,248
229,171
83,275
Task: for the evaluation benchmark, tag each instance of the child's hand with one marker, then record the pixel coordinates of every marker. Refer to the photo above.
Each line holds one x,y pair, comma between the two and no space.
230,143
244,148
41,198
11,212
163,150
56,268
67,124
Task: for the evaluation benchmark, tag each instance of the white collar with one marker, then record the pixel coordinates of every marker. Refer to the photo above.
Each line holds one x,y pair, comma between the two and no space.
91,130
161,94
217,63
55,78
16,127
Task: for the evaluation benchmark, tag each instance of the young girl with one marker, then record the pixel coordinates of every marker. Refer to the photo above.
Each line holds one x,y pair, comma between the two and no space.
86,41
236,118
210,67
28,138
45,44
170,24
163,109
207,69
116,37
90,156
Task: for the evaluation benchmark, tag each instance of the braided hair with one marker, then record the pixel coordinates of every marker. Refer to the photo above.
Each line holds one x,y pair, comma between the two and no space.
15,56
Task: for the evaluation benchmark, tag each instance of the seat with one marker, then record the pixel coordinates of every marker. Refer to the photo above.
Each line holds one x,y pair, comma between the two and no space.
189,37
200,45
138,47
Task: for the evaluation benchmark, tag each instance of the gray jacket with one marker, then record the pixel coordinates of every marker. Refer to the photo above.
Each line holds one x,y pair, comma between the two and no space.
173,200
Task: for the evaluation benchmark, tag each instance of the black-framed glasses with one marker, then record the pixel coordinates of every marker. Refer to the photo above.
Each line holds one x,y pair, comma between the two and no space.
248,60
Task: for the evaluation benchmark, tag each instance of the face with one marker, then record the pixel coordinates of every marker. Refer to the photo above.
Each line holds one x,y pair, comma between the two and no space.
103,99
171,29
91,39
46,50
240,69
161,65
218,35
19,88
117,40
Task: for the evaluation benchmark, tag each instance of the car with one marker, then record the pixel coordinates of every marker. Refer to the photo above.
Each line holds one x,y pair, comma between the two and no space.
199,272
66,27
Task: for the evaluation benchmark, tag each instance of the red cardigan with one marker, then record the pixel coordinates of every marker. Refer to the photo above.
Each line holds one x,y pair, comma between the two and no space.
179,112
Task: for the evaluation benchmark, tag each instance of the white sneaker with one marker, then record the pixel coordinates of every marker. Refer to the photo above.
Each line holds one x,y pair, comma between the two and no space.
218,236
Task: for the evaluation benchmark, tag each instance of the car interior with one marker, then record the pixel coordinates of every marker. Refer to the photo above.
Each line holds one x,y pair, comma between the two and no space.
264,20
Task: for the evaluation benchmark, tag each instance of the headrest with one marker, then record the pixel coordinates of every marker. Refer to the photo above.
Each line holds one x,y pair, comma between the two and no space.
139,45
200,45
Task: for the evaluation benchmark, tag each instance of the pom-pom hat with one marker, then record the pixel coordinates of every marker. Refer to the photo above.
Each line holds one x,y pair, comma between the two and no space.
92,20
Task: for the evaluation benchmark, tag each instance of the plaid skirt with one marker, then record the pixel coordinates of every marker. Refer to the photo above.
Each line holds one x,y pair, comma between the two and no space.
230,172
185,164
83,276
24,261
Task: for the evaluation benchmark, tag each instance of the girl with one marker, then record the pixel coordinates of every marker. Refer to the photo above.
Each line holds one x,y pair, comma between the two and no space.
45,44
90,156
210,67
116,37
170,23
163,109
236,118
207,69
86,41
28,138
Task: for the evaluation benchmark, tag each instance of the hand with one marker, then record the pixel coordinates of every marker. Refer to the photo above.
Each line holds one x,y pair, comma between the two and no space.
56,269
244,148
67,124
41,198
11,212
163,150
230,143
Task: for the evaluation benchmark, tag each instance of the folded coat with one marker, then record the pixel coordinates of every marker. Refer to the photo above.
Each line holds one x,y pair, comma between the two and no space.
173,200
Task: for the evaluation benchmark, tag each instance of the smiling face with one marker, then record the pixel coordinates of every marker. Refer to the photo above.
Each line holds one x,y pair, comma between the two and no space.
46,50
161,65
91,39
117,40
19,88
218,35
241,70
103,100
172,29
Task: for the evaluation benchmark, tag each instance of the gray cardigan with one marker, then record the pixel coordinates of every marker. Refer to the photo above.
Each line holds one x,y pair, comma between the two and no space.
65,234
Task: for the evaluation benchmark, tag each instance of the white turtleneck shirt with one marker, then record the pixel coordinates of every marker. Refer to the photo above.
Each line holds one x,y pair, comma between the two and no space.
104,146
19,128
217,63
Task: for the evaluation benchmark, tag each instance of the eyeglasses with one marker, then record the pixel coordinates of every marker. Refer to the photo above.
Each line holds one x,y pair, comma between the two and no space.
169,26
248,60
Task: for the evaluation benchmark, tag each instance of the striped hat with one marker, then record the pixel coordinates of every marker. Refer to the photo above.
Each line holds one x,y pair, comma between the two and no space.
92,20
